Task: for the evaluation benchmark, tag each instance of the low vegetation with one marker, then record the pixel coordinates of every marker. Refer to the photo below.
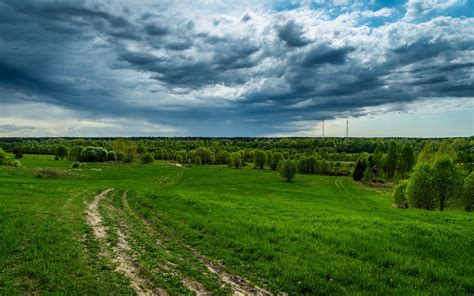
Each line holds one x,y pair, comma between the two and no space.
198,204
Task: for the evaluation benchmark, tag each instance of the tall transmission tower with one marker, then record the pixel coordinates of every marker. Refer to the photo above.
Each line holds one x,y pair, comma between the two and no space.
347,129
323,128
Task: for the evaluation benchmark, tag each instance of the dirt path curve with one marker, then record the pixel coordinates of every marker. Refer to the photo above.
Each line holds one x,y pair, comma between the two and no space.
238,285
126,263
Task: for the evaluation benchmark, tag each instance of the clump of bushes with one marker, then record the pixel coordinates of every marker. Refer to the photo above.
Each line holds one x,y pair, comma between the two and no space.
94,154
48,173
432,186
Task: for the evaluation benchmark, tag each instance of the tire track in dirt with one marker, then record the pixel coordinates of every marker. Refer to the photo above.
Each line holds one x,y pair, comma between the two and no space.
190,284
238,285
121,253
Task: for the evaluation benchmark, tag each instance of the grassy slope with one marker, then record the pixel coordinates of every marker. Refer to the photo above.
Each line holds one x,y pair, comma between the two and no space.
316,235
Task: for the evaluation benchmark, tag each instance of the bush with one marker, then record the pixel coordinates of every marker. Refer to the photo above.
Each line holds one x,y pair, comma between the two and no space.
276,158
3,156
236,160
94,154
287,170
111,156
76,165
420,192
18,151
308,165
61,151
399,196
259,158
56,174
447,180
179,159
120,155
468,192
197,160
46,174
75,153
147,158
360,167
16,164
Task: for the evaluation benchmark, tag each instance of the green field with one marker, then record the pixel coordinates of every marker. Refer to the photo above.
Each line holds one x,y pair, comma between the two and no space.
319,235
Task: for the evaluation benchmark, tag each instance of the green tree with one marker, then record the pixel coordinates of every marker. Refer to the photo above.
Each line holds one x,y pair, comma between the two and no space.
392,160
378,158
18,151
361,164
259,158
223,157
276,158
420,192
399,194
147,158
407,160
3,157
75,153
287,170
197,160
236,160
179,158
427,154
468,192
446,180
111,156
127,147
61,151
445,148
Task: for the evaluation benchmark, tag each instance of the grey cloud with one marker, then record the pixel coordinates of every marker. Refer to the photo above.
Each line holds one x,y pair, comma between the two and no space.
14,128
276,78
292,34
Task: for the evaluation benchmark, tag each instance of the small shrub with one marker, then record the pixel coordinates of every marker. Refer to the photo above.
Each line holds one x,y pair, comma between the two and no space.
112,156
120,155
47,174
179,159
399,197
16,164
147,158
287,170
76,165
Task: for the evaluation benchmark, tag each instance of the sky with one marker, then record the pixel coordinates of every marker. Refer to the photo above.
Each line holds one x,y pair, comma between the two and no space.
236,68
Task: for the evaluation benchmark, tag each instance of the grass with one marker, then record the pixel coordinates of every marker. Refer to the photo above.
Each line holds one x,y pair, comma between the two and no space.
318,235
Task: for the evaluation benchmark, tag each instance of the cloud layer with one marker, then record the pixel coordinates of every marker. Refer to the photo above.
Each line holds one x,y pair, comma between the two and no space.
228,69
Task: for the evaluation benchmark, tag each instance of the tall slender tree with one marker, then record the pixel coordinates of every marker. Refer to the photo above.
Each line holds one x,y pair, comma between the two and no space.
392,160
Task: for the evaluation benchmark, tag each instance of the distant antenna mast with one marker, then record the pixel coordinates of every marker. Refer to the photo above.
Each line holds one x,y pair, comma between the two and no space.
347,129
323,128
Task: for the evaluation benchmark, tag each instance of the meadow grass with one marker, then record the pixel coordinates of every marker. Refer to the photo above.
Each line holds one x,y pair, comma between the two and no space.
317,235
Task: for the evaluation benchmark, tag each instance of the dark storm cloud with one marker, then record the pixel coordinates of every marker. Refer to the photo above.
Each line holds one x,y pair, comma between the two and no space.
292,34
101,61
